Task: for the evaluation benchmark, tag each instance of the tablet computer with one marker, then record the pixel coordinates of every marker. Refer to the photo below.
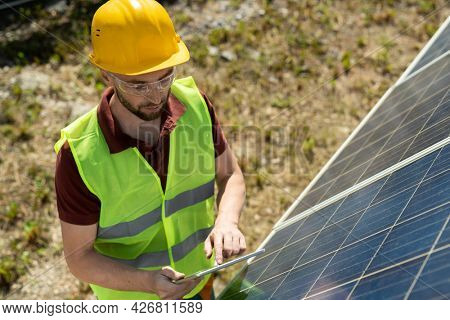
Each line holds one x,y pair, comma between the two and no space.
219,267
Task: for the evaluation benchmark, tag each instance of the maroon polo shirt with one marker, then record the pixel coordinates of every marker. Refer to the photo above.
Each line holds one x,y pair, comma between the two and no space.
76,204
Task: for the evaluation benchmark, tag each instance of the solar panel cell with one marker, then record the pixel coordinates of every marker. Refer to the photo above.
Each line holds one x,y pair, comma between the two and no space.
432,193
330,239
300,279
337,293
348,264
390,284
380,216
358,201
286,258
406,177
444,239
428,137
442,112
410,238
434,282
279,239
314,222
263,291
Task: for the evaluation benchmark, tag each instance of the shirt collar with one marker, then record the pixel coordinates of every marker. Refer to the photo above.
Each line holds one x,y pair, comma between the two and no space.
116,139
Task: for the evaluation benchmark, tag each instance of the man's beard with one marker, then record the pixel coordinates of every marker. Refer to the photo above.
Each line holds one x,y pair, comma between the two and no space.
137,112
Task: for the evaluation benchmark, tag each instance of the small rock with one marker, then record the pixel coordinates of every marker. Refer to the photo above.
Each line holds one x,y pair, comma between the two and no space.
254,54
228,55
4,94
214,51
284,12
80,107
272,79
223,6
58,7
32,79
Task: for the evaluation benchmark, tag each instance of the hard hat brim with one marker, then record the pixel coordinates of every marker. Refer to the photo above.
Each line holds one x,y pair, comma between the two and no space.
177,58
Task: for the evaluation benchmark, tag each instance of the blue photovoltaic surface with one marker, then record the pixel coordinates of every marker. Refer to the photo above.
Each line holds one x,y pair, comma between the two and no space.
355,247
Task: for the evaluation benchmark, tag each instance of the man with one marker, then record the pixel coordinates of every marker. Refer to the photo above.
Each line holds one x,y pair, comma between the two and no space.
135,175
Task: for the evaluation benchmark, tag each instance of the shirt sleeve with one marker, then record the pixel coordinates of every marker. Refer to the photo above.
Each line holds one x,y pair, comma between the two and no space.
75,203
220,143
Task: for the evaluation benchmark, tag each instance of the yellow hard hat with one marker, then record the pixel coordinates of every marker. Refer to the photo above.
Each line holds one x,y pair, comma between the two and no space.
133,37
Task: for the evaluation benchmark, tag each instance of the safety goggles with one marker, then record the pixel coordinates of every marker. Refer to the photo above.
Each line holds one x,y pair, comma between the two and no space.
160,87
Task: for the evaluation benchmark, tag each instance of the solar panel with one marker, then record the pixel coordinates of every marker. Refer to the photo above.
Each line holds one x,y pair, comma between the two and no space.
375,223
414,116
391,228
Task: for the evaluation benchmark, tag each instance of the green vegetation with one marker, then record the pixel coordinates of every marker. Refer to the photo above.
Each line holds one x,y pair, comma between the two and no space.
346,61
198,50
11,212
218,36
19,113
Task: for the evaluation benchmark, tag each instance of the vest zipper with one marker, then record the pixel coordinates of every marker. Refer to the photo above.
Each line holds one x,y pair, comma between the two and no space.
163,207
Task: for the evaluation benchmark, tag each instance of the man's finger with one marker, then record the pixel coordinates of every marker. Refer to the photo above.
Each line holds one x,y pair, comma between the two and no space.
236,245
218,245
208,247
227,245
172,274
242,243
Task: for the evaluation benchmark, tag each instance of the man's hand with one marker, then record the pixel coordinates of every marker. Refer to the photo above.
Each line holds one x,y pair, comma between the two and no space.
161,284
227,240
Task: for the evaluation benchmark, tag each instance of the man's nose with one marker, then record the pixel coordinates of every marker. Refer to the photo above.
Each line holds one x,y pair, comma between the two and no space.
154,96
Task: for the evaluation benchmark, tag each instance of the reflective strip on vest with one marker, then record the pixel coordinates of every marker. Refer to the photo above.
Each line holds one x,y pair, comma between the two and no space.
187,245
130,228
161,258
149,259
189,198
182,200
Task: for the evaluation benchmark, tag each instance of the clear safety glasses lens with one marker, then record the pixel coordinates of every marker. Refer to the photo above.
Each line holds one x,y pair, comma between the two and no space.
161,86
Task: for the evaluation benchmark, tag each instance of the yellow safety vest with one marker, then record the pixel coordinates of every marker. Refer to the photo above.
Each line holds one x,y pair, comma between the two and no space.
140,225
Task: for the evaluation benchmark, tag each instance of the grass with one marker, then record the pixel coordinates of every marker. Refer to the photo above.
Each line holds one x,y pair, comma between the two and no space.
218,36
10,213
18,113
198,50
